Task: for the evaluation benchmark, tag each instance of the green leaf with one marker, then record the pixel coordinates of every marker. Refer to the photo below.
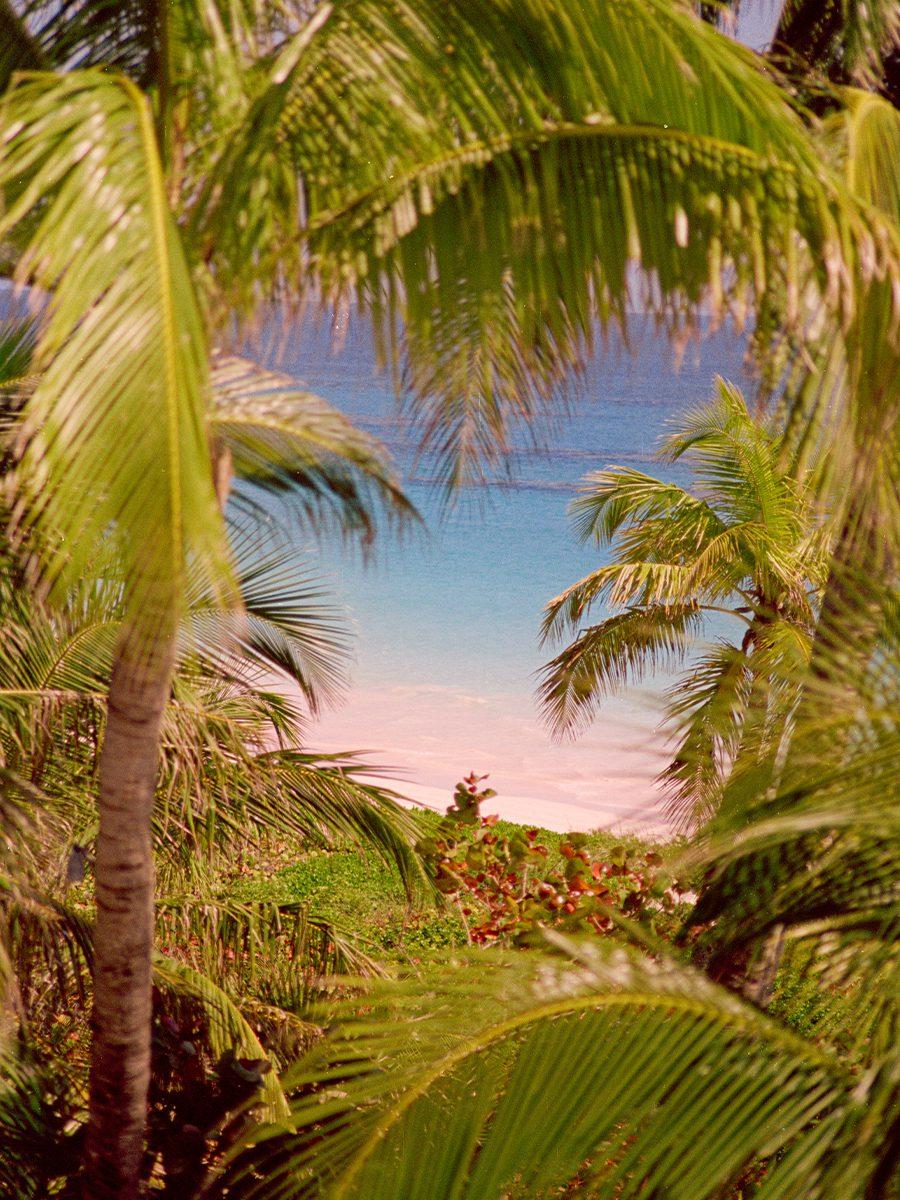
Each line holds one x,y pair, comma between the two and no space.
113,441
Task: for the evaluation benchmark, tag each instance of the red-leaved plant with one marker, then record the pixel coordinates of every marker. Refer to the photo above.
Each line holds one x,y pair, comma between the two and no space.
506,890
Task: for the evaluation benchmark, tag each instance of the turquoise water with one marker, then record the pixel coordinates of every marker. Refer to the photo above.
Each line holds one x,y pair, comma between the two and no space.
459,605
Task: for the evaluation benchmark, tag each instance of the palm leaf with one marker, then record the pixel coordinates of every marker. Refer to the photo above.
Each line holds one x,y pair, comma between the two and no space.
806,836
611,497
289,629
492,200
290,442
840,38
537,1073
114,299
226,1027
707,711
605,657
86,33
279,954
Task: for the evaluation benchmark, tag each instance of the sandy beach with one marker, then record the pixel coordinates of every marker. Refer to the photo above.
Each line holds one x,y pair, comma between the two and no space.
425,737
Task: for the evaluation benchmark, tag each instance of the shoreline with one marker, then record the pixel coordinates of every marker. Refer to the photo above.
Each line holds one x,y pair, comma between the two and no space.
604,780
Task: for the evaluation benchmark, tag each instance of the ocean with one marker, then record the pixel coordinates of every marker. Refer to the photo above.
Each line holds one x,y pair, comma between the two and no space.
446,622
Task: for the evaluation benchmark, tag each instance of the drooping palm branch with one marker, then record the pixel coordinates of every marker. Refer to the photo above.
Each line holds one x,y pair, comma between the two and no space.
594,1070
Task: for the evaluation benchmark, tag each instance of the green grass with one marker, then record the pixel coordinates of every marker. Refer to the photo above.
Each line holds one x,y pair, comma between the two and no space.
364,896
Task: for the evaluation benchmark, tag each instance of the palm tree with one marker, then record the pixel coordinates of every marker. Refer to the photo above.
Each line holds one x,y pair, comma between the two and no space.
597,1069
744,542
456,174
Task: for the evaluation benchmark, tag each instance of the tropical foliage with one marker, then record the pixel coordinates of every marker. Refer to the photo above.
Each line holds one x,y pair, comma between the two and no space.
495,183
745,542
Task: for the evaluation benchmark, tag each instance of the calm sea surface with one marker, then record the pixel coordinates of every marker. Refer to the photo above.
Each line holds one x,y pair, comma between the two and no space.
447,622
459,603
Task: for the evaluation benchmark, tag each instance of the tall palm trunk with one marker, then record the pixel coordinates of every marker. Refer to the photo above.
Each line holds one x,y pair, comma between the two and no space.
123,935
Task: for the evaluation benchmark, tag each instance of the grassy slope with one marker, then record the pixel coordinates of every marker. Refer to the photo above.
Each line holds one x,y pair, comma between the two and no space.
364,896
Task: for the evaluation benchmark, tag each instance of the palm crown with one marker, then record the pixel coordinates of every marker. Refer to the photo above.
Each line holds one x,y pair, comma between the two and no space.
744,541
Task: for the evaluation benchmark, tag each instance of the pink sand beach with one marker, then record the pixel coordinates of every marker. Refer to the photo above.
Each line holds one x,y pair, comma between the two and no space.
427,737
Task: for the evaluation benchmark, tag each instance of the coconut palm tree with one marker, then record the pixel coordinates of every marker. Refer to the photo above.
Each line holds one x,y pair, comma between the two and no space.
244,685
451,169
743,541
600,1070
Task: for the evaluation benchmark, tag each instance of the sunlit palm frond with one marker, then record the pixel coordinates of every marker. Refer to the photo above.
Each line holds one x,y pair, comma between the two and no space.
629,583
732,453
619,650
618,495
289,629
543,1073
501,232
285,440
120,349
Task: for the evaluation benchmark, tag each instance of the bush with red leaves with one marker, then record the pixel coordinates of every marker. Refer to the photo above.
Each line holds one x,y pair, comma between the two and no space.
505,884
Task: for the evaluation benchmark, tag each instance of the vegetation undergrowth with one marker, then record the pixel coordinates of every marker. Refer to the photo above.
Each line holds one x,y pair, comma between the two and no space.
355,890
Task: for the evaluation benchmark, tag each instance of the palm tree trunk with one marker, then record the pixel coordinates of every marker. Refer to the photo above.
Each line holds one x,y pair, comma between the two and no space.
123,934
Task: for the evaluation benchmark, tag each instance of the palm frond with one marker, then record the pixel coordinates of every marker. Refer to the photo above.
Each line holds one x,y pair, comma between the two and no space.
288,629
40,1126
542,1073
226,1027
611,497
112,299
806,836
329,796
605,657
841,39
737,465
47,946
91,33
280,954
491,201
873,141
286,440
707,710
16,352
